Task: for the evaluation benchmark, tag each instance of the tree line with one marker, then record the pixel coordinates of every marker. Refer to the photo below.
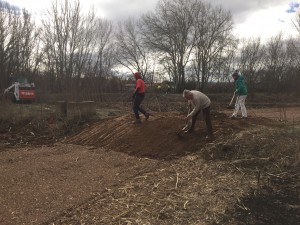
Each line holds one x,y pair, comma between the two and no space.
190,43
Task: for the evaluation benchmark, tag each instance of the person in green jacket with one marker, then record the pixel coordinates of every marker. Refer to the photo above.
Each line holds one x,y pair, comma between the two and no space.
241,92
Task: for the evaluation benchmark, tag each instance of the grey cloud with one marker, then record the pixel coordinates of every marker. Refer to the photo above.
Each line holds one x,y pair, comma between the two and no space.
6,5
241,9
120,10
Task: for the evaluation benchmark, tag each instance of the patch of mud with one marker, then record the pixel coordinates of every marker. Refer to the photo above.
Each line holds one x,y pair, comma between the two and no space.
272,204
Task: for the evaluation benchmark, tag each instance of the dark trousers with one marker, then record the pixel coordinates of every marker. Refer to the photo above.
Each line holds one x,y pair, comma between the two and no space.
136,106
206,115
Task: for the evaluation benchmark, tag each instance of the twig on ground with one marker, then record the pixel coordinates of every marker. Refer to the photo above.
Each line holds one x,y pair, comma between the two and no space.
238,169
185,204
125,188
122,214
251,160
277,175
177,179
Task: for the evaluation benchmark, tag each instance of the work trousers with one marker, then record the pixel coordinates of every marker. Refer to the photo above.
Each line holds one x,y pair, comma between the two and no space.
206,115
240,104
136,106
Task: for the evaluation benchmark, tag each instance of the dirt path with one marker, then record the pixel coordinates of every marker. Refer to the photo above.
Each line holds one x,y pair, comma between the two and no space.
38,184
278,114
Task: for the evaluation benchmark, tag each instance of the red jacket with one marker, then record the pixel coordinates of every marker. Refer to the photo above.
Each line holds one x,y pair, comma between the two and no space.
140,84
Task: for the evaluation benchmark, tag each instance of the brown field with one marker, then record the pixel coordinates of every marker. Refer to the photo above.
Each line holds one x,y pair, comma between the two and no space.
109,171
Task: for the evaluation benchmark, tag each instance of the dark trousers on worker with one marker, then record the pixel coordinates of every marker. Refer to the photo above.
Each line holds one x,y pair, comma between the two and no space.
206,115
136,105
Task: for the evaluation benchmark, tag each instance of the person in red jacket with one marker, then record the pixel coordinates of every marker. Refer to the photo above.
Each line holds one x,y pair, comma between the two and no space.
138,97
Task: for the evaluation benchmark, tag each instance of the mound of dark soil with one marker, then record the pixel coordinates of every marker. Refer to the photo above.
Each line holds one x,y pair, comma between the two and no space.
158,137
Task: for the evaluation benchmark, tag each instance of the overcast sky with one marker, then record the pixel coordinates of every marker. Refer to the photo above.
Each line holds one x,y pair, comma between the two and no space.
253,18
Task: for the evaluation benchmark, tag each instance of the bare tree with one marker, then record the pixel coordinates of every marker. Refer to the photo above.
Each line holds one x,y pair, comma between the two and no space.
66,39
102,53
169,30
291,79
131,52
226,64
8,23
76,45
60,40
296,22
214,28
93,54
294,45
252,54
104,49
275,63
18,39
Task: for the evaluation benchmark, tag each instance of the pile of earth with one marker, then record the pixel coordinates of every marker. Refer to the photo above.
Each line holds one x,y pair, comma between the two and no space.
158,137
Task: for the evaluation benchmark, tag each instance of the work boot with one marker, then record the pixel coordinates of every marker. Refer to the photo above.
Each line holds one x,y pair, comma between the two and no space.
137,121
233,117
147,116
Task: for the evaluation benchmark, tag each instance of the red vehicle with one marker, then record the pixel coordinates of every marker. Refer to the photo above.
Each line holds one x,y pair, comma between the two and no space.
21,90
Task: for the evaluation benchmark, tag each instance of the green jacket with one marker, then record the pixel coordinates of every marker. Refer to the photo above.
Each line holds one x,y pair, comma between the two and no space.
240,86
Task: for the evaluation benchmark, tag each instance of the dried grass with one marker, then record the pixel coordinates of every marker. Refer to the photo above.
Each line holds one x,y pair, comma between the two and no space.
199,188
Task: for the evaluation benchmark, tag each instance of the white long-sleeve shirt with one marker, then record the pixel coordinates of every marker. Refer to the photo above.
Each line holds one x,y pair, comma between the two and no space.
200,101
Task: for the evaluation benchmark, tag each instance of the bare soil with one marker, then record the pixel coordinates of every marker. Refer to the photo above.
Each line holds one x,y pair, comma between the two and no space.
111,171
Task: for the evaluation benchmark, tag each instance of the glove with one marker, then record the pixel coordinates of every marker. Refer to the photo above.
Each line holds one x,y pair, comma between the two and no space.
133,96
